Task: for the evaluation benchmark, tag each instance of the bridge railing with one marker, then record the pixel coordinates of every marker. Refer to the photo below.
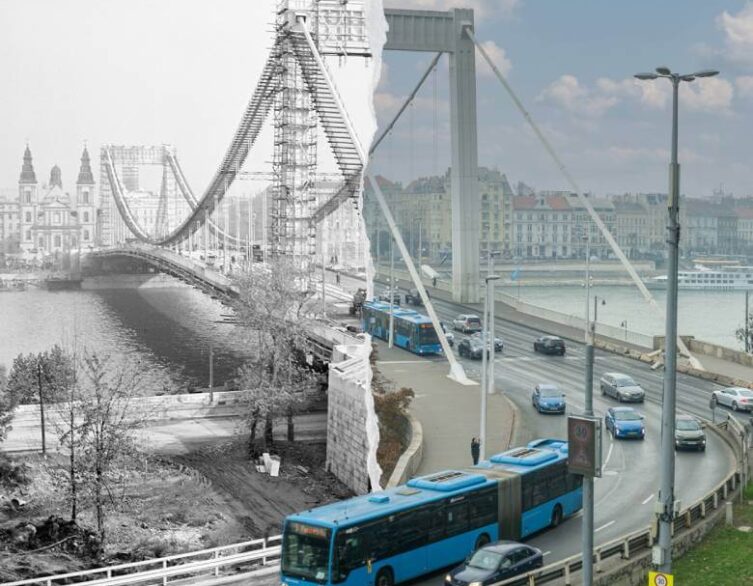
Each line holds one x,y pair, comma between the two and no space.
254,555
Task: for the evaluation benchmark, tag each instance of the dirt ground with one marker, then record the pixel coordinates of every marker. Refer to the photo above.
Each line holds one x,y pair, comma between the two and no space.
210,496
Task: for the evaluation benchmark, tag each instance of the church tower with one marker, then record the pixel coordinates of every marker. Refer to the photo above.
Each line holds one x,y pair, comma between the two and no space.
84,203
28,198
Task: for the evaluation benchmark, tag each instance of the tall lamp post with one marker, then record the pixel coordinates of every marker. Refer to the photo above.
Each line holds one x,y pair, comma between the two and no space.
485,383
665,508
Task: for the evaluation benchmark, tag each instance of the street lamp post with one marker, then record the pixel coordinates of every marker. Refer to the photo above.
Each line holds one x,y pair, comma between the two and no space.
662,553
485,383
587,527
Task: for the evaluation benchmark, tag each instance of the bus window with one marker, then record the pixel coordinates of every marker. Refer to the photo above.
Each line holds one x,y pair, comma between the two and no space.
427,334
457,517
483,508
349,555
413,528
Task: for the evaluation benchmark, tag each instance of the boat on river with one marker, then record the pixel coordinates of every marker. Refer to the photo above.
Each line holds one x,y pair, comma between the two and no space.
703,278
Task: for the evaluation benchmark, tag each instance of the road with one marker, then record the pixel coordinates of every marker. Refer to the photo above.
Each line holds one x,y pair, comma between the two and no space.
626,493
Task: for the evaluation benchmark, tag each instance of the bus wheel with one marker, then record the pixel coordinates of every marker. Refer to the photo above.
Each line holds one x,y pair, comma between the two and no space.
384,578
556,516
481,541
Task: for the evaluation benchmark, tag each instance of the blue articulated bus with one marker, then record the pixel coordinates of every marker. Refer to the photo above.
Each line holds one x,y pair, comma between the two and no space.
413,331
432,521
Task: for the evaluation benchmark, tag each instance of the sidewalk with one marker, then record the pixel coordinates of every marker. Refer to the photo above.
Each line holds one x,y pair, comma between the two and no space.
449,412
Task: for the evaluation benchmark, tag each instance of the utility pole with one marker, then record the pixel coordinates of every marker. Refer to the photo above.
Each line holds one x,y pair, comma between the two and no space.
211,373
588,481
490,275
747,319
392,294
324,298
41,404
484,375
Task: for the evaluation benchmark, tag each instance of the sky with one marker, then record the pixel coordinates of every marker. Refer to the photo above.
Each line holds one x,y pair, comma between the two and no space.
571,63
181,72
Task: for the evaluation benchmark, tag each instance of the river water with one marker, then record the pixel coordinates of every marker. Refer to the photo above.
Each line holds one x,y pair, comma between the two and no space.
167,332
712,316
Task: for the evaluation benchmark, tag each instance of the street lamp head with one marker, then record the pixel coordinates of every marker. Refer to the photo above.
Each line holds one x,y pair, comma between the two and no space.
492,278
706,73
663,71
646,76
687,78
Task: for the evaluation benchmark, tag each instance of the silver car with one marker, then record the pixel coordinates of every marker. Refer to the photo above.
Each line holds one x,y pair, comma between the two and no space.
737,398
621,387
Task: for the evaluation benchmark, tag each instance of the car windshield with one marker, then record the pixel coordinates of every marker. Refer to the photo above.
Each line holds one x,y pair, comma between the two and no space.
625,381
745,393
626,416
305,551
485,560
549,392
687,425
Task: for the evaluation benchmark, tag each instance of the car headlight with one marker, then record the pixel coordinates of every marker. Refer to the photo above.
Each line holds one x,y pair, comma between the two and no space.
476,584
448,579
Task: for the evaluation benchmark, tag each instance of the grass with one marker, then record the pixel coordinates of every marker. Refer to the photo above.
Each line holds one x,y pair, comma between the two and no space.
724,557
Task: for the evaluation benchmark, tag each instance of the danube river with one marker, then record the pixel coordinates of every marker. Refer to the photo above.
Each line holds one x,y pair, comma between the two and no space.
712,316
167,332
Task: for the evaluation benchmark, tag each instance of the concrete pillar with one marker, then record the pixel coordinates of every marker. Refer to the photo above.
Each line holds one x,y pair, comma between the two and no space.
466,210
728,513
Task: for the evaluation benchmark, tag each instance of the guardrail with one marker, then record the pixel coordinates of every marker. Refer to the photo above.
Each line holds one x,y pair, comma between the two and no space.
208,562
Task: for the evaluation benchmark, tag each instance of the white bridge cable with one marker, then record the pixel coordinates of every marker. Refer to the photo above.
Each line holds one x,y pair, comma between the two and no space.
576,188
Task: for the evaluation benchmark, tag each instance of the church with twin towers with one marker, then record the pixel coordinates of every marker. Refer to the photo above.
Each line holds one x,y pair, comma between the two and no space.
52,220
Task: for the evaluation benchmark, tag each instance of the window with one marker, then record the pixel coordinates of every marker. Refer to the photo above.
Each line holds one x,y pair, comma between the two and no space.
403,328
86,234
56,217
85,197
28,235
483,507
28,217
27,196
86,217
456,516
41,242
57,241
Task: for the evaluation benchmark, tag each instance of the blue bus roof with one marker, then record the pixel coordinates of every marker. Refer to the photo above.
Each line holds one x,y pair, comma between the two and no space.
398,312
417,491
534,456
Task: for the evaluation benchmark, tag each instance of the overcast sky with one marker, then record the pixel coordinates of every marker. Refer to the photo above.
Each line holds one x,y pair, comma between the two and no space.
572,64
181,72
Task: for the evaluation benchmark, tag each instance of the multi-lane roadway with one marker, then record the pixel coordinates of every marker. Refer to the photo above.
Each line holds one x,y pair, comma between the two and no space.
626,493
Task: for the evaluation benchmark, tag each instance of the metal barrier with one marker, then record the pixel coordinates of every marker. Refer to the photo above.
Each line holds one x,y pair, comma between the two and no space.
208,562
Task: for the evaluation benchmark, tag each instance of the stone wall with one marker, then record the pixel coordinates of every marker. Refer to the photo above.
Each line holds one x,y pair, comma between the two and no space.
352,427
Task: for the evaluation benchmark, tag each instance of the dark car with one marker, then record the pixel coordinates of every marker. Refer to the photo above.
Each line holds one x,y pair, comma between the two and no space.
413,298
689,434
495,562
625,422
499,344
549,345
385,296
548,398
471,348
448,334
621,387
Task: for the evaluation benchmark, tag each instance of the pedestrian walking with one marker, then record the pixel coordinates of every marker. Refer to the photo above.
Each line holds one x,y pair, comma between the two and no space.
434,284
475,449
337,278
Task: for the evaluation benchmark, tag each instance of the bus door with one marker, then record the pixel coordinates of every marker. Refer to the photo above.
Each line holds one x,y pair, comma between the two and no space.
510,507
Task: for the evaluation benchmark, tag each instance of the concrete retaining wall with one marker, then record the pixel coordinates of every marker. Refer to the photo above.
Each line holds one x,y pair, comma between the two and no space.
728,354
122,281
352,426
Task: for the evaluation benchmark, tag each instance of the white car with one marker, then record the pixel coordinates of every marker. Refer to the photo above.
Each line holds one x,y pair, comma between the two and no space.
467,323
737,398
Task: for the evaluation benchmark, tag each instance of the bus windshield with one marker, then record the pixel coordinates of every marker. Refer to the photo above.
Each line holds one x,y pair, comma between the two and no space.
427,334
305,552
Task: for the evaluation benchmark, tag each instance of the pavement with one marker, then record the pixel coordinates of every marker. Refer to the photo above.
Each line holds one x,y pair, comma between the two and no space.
448,411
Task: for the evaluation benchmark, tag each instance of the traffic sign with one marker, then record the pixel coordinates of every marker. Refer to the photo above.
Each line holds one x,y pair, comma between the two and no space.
584,445
660,579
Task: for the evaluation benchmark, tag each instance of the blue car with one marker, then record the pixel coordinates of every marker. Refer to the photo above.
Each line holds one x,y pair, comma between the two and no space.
625,422
547,398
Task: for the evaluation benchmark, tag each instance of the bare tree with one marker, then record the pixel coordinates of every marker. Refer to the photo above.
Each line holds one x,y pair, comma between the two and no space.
6,405
270,311
108,415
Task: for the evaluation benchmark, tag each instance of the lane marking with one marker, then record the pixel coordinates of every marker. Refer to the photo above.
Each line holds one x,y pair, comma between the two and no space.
604,526
609,454
648,499
545,553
